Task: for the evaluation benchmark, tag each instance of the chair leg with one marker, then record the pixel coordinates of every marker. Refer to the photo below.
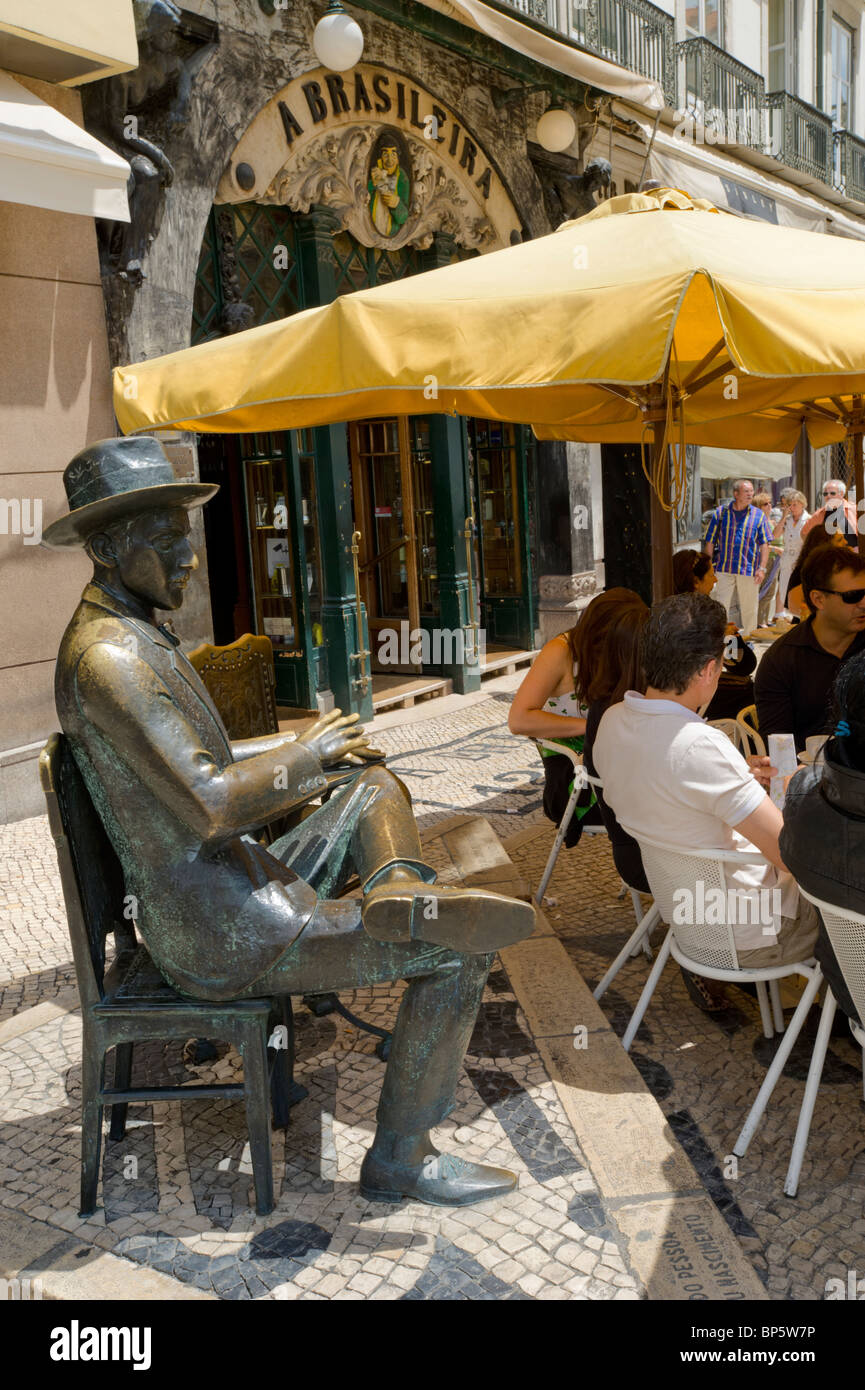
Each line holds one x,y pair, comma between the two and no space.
648,991
755,1114
643,943
122,1079
284,1090
815,1071
255,1084
629,949
777,1011
92,1081
558,842
765,1016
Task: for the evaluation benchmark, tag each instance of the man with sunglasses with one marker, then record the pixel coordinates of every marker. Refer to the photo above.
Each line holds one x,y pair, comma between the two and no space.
837,512
796,674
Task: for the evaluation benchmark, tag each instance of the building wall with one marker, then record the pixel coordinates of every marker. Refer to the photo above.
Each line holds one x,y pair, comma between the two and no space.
54,399
745,20
256,57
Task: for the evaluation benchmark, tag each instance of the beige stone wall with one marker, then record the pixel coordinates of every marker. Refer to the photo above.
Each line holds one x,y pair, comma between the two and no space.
54,399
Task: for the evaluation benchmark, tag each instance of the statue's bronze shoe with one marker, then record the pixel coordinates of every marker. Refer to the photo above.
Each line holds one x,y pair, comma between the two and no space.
472,920
441,1180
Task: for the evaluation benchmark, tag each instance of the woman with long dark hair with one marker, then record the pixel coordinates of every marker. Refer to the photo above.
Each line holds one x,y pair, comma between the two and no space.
617,668
551,702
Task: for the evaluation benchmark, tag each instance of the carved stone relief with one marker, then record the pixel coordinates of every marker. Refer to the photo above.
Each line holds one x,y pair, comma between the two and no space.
567,588
333,171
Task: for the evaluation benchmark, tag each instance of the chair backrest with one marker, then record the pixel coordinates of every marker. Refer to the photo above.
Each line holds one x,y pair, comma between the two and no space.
686,885
240,680
734,733
747,721
90,872
552,746
846,931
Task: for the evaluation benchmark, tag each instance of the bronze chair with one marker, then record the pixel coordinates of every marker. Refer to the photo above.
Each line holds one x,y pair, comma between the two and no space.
241,682
131,1002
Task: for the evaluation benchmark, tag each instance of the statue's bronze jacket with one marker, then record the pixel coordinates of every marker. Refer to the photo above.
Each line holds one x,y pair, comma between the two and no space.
178,798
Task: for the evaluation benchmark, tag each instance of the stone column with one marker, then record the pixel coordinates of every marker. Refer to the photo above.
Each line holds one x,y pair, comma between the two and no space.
566,557
450,509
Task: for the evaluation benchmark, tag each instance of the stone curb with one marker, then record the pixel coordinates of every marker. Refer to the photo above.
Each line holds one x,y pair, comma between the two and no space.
70,1269
65,1002
677,1243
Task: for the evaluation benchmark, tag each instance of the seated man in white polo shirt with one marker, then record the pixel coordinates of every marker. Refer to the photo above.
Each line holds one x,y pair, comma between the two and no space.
670,776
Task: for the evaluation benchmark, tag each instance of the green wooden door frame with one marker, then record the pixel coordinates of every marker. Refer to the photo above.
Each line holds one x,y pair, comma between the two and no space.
295,673
510,618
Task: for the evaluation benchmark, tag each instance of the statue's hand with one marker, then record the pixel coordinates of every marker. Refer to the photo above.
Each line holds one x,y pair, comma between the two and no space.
338,738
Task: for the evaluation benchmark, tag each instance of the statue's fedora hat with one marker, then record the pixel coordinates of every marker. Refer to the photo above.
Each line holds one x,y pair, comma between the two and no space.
115,478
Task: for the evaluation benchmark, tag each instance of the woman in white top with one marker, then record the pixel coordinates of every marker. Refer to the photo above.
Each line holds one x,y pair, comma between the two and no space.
789,529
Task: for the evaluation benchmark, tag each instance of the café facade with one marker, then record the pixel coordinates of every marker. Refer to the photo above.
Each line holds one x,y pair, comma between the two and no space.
426,545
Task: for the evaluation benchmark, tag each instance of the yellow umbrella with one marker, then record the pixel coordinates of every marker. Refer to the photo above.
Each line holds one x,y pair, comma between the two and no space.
579,328
654,314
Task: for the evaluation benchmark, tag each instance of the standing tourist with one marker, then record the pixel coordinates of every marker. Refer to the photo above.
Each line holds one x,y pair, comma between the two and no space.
789,530
769,586
837,508
737,540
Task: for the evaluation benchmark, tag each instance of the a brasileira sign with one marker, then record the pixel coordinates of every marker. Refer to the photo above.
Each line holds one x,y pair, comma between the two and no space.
393,161
392,98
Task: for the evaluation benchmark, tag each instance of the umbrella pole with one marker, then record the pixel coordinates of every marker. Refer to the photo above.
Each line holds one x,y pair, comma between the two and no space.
857,453
661,521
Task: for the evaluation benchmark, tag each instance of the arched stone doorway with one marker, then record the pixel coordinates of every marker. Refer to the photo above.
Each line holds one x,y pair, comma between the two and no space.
319,199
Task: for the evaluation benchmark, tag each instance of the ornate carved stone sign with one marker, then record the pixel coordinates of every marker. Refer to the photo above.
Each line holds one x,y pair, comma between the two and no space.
377,148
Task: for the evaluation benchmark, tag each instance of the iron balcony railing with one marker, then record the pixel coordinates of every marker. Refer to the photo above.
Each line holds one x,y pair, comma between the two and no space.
631,33
541,11
849,155
719,96
799,135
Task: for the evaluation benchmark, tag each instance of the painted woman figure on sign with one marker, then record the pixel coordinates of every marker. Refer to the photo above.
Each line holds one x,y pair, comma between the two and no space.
388,184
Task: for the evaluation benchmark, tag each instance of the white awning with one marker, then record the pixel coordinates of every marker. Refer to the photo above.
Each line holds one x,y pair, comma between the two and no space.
706,172
553,52
47,161
744,463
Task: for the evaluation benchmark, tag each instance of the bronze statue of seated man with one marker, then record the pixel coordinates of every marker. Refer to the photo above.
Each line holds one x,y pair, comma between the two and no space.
222,916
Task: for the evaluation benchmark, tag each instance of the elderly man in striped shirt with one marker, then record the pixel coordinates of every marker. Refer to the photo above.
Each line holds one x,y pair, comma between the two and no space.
737,538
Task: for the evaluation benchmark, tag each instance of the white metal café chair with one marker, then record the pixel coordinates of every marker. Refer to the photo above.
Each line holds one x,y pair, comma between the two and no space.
710,950
580,783
639,939
846,931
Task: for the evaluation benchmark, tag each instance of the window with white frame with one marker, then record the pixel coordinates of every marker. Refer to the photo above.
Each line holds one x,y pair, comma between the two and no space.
704,19
783,30
841,89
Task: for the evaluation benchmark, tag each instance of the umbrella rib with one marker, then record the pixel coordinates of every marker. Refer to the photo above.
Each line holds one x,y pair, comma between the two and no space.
828,414
692,387
704,362
622,392
841,408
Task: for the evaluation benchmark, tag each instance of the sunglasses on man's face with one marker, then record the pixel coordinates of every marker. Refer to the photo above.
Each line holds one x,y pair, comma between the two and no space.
831,494
849,596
